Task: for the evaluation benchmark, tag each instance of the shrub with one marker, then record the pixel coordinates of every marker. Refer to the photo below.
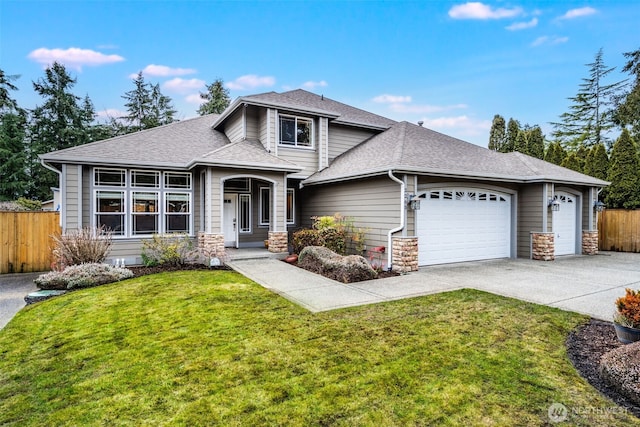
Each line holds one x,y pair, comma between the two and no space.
334,232
86,245
82,276
346,269
169,249
304,238
30,205
628,308
620,368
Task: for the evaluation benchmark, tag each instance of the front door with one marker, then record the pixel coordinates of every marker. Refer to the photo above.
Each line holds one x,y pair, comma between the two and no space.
230,226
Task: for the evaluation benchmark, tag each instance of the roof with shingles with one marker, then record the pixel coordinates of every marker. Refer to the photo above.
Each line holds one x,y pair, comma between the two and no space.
411,148
300,99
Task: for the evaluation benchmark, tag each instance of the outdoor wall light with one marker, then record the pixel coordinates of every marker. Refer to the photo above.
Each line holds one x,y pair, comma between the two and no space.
598,206
414,205
554,204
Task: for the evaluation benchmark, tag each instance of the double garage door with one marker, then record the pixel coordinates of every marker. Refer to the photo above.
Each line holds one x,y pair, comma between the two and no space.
463,224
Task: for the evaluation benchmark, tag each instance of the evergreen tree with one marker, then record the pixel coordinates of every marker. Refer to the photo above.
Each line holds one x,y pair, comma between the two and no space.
572,162
536,142
147,107
628,110
597,163
513,128
624,191
555,153
216,98
521,144
13,122
590,115
497,134
60,122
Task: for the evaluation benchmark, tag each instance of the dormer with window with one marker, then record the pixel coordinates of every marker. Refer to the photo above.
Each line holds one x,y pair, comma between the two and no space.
296,132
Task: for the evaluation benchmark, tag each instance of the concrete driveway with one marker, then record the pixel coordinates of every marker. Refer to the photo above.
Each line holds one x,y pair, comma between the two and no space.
584,284
13,289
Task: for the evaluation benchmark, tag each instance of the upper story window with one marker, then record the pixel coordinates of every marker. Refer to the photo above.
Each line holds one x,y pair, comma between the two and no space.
296,131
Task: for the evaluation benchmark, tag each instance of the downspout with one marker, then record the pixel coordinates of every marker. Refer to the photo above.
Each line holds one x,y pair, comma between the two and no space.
399,228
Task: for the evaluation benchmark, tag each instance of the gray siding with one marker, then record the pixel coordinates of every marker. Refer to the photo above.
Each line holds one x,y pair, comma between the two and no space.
87,201
233,128
306,158
71,197
263,128
372,203
343,138
530,211
252,123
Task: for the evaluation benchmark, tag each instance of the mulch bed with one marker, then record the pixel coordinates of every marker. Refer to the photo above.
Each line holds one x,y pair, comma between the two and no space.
585,346
381,274
143,271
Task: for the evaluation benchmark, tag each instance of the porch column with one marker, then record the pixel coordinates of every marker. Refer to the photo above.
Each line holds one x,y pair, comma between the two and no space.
590,242
405,254
211,244
278,241
543,246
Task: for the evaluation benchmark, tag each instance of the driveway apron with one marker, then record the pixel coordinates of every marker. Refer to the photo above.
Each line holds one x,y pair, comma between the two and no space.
13,289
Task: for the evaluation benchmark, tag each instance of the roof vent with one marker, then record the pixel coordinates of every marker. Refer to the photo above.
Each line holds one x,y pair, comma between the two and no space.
420,123
322,97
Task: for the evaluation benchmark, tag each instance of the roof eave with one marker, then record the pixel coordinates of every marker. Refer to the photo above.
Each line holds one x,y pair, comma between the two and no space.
245,165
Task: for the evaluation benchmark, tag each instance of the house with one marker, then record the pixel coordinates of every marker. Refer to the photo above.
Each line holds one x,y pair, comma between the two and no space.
270,161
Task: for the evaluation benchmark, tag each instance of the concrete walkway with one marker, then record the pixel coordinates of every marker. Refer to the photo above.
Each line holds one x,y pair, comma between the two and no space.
13,289
584,284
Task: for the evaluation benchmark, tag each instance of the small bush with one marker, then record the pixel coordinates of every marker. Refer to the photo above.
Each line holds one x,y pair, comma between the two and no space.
169,249
628,308
86,245
620,368
30,205
82,276
345,269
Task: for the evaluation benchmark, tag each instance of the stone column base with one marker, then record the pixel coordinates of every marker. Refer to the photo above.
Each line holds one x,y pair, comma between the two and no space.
543,246
212,245
278,241
404,256
590,242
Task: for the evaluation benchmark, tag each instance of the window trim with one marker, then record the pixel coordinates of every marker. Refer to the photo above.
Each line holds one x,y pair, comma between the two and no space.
295,145
291,191
244,198
261,213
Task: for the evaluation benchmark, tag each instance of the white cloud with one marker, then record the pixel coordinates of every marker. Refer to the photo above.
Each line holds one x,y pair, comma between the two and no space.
391,99
179,85
72,57
251,81
477,10
154,70
425,109
312,84
579,12
194,99
522,25
110,113
462,125
549,40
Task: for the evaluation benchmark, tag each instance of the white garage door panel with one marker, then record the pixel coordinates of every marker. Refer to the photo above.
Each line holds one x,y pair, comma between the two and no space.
458,224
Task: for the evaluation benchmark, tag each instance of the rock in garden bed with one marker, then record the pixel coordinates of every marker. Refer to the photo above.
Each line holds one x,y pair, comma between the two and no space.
345,269
620,369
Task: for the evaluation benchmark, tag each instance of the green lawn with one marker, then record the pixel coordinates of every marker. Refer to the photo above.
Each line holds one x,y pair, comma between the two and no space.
213,348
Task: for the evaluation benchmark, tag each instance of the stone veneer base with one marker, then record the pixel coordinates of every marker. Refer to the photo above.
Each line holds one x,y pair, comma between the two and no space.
405,254
543,246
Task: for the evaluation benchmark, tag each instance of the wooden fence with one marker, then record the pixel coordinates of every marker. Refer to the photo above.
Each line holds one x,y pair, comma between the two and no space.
619,230
25,240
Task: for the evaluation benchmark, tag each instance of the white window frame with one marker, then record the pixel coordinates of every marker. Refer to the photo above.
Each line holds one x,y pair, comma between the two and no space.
163,189
261,212
244,198
295,144
292,219
133,213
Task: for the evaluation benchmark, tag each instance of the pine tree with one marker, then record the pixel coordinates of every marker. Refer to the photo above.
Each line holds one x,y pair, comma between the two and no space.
536,142
62,121
572,162
624,191
498,133
628,109
590,115
597,163
521,144
555,153
216,98
147,107
513,128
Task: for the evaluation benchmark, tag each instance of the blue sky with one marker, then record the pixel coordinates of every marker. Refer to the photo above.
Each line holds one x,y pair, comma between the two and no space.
452,65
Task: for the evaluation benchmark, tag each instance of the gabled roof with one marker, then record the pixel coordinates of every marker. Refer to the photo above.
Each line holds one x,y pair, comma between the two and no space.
302,101
180,145
406,147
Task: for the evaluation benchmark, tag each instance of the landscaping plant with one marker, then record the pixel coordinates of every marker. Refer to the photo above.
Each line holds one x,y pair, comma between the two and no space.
628,309
82,276
84,245
168,249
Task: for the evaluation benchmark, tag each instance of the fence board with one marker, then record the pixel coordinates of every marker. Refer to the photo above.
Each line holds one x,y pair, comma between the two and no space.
619,230
25,240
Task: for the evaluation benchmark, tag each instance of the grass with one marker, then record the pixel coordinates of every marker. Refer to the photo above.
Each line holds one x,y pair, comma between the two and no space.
213,348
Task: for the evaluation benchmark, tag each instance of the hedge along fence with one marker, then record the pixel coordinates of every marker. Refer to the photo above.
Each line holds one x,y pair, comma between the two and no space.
26,241
619,230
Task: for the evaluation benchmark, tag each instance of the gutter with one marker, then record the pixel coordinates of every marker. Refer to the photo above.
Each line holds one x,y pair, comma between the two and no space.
401,226
51,168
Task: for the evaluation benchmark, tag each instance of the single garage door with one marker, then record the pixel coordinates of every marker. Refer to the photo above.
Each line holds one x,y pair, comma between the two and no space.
463,224
564,224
